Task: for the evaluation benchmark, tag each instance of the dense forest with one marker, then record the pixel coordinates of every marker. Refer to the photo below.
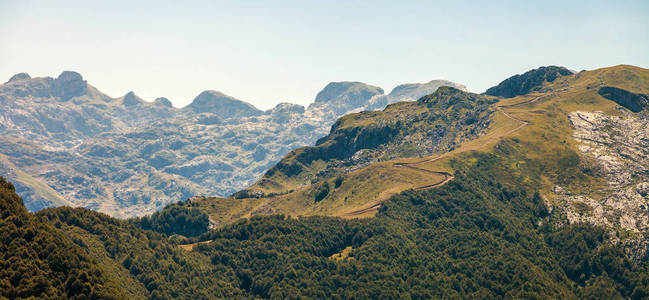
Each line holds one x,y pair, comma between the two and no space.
37,260
176,218
486,234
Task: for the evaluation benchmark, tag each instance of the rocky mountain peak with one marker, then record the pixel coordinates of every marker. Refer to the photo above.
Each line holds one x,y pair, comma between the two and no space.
448,90
447,96
69,76
162,101
414,91
69,84
222,105
287,108
19,76
130,99
348,89
346,95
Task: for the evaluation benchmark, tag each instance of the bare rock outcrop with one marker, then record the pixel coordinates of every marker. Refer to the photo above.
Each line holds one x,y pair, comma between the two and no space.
619,147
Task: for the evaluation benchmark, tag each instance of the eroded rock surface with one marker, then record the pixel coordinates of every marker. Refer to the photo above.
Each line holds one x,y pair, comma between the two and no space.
618,146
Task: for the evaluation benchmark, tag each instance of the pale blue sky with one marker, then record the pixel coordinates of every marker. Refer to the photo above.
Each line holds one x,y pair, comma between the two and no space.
266,53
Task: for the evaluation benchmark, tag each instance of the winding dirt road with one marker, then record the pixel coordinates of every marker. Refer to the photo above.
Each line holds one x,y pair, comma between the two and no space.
523,123
447,176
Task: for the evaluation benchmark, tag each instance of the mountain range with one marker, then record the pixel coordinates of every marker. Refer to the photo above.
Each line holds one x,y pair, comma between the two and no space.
66,143
536,189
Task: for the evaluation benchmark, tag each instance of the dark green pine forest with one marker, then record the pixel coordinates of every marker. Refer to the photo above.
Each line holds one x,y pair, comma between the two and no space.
485,234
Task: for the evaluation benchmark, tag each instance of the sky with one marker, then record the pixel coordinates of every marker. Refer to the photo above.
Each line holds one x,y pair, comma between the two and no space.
267,52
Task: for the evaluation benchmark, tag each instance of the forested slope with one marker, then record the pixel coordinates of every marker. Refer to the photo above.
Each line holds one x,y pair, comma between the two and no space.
38,260
486,234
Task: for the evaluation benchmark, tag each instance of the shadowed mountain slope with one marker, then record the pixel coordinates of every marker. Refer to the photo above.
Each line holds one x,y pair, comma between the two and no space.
532,80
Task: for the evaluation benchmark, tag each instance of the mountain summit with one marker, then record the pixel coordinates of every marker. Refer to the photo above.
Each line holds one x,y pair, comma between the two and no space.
130,99
350,92
162,101
69,84
19,76
414,91
222,105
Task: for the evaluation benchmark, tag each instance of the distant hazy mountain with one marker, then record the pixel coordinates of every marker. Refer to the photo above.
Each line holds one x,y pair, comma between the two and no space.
66,143
222,105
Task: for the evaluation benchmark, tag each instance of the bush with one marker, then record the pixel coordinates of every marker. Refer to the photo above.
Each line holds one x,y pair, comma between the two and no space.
338,181
322,191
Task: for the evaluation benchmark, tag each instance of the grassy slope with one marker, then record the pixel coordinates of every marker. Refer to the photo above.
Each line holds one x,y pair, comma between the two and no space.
546,138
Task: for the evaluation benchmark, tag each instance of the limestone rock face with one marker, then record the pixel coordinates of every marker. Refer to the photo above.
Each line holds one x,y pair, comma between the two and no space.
618,146
222,105
340,98
287,108
69,84
352,93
